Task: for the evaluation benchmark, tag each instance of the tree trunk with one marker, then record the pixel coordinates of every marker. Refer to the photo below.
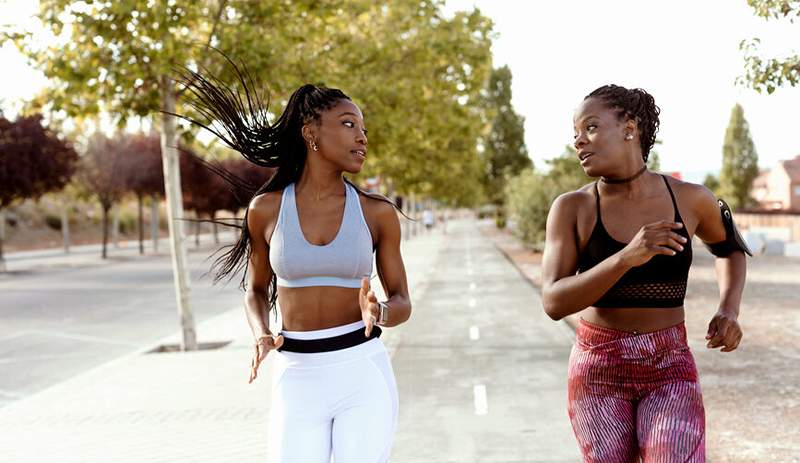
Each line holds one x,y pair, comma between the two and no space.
196,230
214,224
115,226
65,227
413,206
154,221
105,229
2,237
140,204
172,186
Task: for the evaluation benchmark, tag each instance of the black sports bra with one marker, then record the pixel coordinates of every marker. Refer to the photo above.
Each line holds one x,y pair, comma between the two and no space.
660,282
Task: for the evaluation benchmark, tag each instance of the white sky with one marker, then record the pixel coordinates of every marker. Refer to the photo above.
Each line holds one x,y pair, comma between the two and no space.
683,52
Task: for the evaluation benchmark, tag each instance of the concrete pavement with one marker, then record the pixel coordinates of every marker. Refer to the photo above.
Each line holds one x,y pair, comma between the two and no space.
481,374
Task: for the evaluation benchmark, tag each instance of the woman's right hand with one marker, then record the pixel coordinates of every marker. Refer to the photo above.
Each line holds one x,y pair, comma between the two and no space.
653,239
263,345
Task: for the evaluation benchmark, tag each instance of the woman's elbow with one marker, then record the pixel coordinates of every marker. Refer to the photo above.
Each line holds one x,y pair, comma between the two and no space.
551,307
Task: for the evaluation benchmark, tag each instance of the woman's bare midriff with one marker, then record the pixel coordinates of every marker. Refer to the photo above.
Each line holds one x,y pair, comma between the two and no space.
638,320
318,307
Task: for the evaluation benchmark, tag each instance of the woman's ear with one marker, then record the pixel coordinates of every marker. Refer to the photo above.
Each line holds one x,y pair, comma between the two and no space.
307,134
630,129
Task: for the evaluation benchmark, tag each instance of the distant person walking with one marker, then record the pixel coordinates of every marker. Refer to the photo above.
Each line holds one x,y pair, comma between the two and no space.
618,251
307,242
428,219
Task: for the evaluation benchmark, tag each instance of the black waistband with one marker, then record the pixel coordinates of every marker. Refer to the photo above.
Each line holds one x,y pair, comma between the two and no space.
343,341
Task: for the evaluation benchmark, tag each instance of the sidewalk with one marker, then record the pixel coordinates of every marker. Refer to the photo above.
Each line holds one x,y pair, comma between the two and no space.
89,254
167,407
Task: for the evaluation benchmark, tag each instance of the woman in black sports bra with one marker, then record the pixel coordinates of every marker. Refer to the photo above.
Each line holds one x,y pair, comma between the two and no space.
618,251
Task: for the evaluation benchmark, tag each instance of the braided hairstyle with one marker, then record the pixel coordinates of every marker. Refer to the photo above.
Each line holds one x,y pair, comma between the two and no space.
242,123
635,104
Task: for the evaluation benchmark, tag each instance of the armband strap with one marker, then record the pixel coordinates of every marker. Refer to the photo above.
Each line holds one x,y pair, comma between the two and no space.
733,239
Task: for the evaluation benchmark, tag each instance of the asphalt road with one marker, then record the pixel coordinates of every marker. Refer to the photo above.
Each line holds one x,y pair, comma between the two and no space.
79,312
481,370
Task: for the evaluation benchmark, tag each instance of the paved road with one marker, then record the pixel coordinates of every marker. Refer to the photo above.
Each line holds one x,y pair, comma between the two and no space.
58,321
481,372
480,369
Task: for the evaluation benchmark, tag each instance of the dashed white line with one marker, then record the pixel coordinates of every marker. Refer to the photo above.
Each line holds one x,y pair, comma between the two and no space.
481,402
472,286
472,302
474,333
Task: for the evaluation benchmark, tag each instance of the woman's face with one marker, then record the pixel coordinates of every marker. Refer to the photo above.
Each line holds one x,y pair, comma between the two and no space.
600,138
341,137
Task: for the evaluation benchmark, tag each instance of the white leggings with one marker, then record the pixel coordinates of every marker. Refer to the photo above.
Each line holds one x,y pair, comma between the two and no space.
341,404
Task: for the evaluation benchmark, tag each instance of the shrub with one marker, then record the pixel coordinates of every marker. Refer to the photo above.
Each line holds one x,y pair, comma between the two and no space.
527,201
53,221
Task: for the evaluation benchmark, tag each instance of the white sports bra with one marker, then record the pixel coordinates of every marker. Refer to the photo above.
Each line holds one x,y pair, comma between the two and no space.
342,262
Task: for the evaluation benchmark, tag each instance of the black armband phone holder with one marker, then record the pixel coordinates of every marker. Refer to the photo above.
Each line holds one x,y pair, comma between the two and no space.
733,239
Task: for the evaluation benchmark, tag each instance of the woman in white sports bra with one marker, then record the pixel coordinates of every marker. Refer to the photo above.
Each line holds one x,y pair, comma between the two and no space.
308,239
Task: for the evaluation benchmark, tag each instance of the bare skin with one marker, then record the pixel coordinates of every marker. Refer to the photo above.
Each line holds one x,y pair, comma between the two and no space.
638,213
320,195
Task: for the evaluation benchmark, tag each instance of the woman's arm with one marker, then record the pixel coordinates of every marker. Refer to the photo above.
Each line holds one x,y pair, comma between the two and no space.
723,330
391,270
259,274
259,271
563,291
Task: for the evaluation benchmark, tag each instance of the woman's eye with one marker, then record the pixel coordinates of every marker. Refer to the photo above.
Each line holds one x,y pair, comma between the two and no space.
590,127
349,124
365,131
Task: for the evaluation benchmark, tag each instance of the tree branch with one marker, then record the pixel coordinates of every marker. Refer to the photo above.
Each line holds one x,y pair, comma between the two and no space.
222,5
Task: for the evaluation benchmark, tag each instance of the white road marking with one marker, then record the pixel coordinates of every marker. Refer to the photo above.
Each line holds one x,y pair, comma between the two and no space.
472,286
481,402
472,302
474,333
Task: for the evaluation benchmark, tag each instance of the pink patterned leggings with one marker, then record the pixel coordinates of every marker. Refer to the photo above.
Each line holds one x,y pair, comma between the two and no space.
635,396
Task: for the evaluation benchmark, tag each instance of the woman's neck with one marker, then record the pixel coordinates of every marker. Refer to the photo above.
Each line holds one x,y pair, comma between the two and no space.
632,189
319,182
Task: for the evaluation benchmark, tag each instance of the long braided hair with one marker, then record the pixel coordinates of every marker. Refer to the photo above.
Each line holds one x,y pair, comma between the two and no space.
635,104
242,123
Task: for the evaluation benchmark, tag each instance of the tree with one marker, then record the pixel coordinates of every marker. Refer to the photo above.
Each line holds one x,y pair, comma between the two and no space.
33,161
739,161
119,60
418,76
770,73
566,173
101,175
712,183
207,190
654,159
505,149
143,173
530,194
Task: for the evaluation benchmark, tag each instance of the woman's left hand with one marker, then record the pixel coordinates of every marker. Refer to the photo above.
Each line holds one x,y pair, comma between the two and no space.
724,330
369,306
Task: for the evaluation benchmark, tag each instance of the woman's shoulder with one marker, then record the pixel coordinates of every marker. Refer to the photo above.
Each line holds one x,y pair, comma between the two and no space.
376,204
582,197
693,194
266,205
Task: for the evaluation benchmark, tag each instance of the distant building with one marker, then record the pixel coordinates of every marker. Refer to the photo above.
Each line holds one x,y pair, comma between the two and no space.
779,188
